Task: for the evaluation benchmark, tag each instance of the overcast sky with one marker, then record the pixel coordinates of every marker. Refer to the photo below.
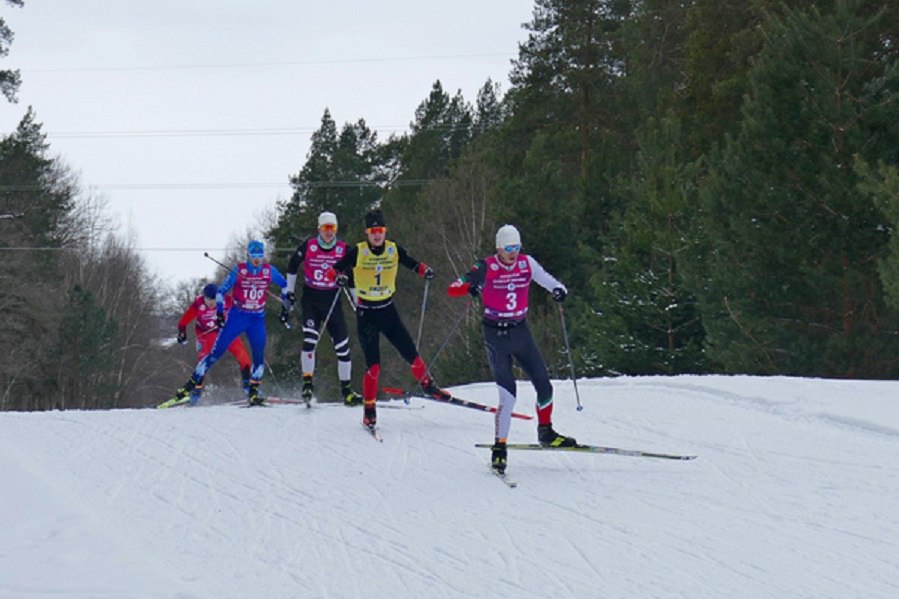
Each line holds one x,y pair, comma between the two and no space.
189,116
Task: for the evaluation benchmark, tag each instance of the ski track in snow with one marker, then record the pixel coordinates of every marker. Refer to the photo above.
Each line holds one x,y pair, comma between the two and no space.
792,495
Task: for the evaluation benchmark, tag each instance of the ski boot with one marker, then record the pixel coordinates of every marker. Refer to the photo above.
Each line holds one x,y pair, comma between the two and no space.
369,415
498,457
308,389
181,395
429,388
350,397
550,438
255,399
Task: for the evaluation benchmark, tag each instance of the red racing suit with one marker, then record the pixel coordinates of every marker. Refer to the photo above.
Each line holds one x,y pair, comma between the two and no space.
206,330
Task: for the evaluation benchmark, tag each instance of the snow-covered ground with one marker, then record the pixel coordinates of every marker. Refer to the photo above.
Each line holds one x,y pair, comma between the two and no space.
795,493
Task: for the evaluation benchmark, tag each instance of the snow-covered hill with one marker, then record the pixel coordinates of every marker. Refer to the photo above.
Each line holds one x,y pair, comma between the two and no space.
795,493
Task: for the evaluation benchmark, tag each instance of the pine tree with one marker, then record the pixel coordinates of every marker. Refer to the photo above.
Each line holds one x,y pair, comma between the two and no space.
788,280
10,79
567,136
84,353
34,201
644,318
342,174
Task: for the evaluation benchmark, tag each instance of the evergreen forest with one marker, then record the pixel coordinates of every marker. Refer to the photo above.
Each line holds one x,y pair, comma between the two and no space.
715,181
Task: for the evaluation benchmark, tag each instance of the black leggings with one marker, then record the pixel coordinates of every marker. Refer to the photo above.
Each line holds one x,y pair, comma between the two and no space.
315,305
505,344
372,322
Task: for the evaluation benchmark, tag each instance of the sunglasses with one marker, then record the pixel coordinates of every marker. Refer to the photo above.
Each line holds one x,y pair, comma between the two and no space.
512,248
328,228
376,230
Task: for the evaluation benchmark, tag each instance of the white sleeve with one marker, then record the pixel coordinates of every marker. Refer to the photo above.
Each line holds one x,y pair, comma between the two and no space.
543,278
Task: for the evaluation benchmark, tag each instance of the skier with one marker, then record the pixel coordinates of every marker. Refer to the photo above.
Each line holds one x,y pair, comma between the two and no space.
502,280
321,301
250,281
374,264
203,310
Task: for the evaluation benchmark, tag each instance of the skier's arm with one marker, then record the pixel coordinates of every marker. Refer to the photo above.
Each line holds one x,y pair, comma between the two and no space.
344,267
189,315
224,288
346,263
420,268
547,281
277,278
470,283
293,267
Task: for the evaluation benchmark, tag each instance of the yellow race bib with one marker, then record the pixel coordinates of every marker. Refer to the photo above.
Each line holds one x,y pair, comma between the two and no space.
375,275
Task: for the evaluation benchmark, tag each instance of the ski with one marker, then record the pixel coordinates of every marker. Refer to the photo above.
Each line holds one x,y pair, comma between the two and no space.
390,407
503,477
174,402
268,402
260,404
288,401
373,431
310,404
634,453
451,399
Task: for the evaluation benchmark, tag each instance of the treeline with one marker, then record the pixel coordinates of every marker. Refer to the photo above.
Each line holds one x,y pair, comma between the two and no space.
714,180
79,313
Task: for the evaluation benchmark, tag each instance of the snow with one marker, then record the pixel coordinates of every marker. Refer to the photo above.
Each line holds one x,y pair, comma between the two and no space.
793,494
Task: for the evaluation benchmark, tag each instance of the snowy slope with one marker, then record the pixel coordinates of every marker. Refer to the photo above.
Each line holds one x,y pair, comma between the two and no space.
794,494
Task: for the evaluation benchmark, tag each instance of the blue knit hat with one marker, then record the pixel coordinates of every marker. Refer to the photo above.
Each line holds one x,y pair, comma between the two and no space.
256,249
210,291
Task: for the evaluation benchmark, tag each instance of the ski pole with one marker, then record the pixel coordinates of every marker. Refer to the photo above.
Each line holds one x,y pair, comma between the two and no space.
570,359
268,291
325,321
204,333
349,298
424,305
268,367
449,335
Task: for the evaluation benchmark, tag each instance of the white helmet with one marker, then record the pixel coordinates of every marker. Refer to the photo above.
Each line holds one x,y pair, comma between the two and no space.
327,218
507,235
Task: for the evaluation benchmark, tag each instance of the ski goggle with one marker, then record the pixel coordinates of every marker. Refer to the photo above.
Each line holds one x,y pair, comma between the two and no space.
328,228
515,247
376,230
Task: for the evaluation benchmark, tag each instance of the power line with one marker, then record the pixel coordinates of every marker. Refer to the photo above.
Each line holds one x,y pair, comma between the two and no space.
112,134
248,185
286,63
180,133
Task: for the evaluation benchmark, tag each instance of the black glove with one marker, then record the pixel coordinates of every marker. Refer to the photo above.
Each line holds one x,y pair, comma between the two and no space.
284,317
425,271
182,336
559,294
474,290
342,280
220,319
290,300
